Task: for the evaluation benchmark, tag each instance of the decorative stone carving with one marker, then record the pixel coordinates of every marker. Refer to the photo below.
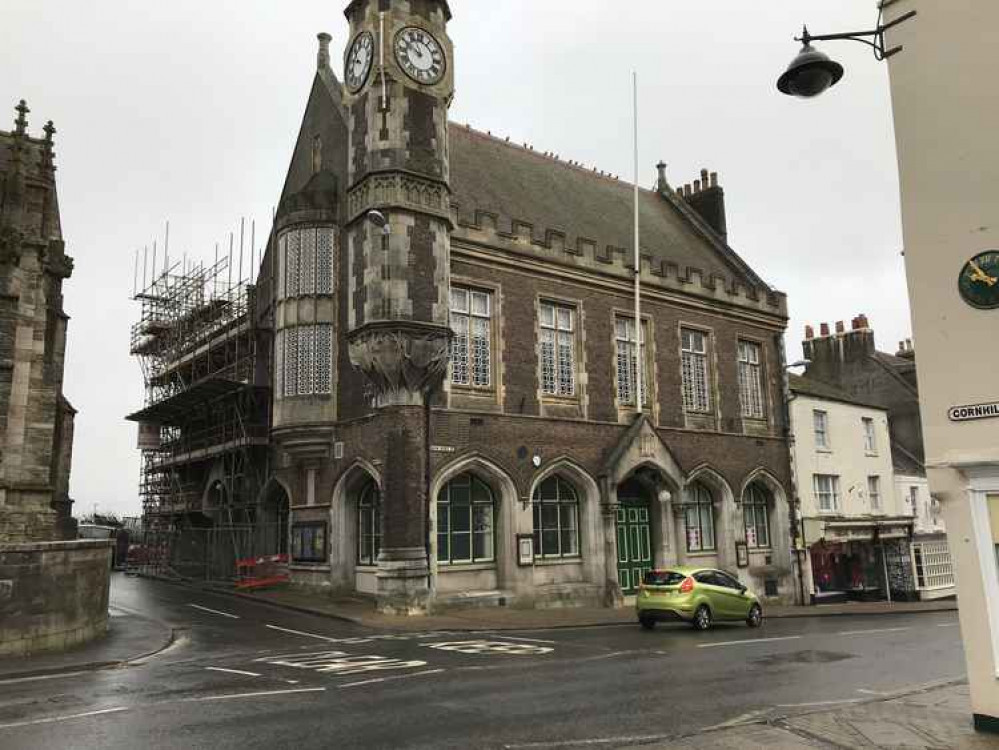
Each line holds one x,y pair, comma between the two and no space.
403,360
399,191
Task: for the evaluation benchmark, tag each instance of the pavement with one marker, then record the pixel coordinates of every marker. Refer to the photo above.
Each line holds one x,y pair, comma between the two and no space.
361,611
929,719
131,637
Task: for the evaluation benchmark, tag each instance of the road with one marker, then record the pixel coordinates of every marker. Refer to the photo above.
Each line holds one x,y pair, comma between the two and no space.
244,675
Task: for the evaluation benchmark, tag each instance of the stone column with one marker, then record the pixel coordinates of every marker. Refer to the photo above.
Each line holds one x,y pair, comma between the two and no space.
608,511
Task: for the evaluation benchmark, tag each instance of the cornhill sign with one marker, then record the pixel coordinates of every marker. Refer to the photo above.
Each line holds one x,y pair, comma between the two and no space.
973,411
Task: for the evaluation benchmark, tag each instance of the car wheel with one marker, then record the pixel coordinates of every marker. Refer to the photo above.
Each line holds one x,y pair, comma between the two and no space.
755,617
647,622
702,618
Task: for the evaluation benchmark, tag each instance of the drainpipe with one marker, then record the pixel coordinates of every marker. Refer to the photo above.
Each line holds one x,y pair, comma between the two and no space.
797,523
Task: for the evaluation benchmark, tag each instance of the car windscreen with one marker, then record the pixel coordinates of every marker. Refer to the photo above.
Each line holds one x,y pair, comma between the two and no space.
663,578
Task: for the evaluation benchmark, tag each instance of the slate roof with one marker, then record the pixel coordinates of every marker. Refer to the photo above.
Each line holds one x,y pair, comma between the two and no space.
817,389
491,175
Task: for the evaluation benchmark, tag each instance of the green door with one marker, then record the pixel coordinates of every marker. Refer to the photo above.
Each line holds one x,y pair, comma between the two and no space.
634,549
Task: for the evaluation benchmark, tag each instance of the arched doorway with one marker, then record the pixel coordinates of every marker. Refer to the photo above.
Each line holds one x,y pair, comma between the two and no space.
635,520
273,529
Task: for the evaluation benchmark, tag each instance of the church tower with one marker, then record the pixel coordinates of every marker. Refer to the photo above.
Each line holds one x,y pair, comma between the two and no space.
399,81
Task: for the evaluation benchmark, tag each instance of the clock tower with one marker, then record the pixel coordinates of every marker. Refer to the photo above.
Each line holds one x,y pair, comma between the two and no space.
399,81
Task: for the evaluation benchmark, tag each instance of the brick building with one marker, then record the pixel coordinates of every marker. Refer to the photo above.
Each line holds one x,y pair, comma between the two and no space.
36,420
451,318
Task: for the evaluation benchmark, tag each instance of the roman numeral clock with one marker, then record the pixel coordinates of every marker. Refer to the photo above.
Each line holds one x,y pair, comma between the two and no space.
419,55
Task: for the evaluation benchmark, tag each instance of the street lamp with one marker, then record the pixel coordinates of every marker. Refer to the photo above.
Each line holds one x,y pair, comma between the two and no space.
379,220
812,72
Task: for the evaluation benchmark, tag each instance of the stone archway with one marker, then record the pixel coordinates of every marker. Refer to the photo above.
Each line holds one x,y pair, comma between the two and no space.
275,510
345,572
727,523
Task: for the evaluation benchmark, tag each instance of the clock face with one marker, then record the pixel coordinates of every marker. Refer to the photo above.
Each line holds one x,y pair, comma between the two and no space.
979,280
420,55
359,60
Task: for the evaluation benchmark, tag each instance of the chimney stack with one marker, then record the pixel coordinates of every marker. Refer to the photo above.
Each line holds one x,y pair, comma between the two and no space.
323,59
661,184
708,199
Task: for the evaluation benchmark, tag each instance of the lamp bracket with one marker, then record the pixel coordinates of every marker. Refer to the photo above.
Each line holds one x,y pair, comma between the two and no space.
877,35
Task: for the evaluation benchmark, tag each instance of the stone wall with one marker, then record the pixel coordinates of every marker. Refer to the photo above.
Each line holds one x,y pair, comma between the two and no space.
53,595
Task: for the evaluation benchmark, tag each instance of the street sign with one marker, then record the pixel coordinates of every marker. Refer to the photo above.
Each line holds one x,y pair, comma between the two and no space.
973,411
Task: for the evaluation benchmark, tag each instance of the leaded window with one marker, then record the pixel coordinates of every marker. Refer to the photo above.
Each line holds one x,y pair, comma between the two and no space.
558,350
694,353
699,518
756,516
750,380
556,519
306,263
369,525
471,348
627,361
465,511
304,360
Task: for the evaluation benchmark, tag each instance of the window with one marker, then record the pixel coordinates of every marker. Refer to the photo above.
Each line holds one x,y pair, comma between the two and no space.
700,520
369,525
558,350
756,515
870,444
750,380
465,510
305,256
471,348
934,567
304,360
308,542
914,499
820,421
874,492
624,336
694,355
556,519
826,488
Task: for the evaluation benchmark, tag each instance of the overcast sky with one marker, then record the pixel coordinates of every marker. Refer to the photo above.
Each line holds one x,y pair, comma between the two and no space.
188,110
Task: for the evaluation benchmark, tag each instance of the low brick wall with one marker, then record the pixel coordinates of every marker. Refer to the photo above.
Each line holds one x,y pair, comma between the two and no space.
53,595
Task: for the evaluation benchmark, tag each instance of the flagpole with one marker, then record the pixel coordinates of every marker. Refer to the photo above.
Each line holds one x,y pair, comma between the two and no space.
639,359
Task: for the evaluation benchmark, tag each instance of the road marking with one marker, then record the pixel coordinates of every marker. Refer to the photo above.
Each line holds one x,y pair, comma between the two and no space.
596,741
214,611
865,691
526,640
868,632
389,679
821,703
233,671
60,675
746,718
299,632
341,663
948,624
262,694
489,647
747,641
53,719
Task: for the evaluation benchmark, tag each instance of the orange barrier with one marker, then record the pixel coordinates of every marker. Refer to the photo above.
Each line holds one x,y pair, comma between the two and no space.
256,572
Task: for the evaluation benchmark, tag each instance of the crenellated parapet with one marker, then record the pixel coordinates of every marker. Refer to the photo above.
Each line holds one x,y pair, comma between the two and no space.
486,229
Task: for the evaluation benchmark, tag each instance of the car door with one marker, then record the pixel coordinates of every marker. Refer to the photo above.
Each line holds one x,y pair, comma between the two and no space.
736,603
708,586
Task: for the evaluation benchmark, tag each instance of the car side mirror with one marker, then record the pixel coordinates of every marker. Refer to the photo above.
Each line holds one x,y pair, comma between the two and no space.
743,588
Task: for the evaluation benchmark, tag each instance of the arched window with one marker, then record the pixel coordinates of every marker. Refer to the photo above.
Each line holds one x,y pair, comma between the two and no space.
369,525
556,519
700,519
756,513
465,532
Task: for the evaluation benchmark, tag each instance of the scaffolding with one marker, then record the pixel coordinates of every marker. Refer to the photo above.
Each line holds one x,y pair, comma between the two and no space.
203,431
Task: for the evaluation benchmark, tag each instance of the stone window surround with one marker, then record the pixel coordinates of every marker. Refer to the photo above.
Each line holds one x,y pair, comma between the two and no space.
765,369
714,389
578,338
495,292
650,384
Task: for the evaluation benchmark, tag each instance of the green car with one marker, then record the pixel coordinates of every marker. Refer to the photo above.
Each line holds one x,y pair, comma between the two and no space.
695,595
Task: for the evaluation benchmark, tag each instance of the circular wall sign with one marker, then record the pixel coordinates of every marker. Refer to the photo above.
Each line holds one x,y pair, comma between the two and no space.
979,281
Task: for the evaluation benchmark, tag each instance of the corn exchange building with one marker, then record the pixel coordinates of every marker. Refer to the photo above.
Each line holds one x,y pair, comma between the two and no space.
462,406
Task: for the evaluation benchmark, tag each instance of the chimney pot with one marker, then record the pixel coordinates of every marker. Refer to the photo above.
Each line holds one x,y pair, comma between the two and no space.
840,328
809,332
824,329
697,186
704,178
714,179
661,184
908,345
323,59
